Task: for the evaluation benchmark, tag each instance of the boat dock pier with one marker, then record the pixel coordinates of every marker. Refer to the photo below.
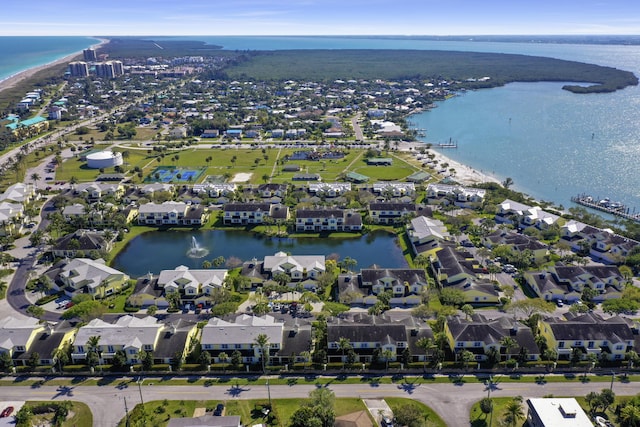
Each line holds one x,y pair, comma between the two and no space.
606,205
449,144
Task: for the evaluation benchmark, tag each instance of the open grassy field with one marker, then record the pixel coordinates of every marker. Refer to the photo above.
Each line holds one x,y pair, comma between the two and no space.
79,415
263,164
159,413
431,418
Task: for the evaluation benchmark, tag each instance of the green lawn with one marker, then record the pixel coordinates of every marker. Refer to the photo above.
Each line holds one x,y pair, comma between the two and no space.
478,419
432,419
233,160
79,415
158,413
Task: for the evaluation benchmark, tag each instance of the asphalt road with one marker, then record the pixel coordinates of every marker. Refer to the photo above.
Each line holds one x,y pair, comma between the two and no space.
452,402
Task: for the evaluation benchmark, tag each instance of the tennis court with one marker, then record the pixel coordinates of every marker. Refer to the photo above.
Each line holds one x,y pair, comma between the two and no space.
174,174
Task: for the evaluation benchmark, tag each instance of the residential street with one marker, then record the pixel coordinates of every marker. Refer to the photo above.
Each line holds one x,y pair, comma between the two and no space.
451,402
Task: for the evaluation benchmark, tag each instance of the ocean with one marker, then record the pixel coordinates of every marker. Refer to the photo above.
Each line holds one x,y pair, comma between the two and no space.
552,143
22,53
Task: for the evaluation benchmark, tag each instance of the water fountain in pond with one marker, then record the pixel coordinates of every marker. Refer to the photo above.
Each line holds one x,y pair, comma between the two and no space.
195,251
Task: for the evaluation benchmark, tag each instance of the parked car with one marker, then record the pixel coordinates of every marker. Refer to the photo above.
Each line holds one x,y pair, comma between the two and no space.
560,303
6,412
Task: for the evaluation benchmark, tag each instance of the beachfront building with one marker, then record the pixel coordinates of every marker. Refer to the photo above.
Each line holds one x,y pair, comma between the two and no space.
446,194
109,69
391,189
78,69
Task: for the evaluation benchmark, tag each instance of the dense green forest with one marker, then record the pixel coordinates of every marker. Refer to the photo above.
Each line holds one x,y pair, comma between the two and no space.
322,65
131,47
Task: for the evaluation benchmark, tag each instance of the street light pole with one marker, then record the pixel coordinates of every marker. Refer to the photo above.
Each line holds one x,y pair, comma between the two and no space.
613,376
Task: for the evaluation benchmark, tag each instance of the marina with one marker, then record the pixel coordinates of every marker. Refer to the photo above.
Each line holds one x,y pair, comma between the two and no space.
608,206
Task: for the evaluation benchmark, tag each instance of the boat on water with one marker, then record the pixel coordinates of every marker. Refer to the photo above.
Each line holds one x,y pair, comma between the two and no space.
608,206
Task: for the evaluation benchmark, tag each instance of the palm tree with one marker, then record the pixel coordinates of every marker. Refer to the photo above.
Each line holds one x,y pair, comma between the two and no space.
35,177
387,355
508,343
508,182
428,345
467,357
223,358
344,344
93,347
306,355
468,311
513,411
630,415
262,342
421,261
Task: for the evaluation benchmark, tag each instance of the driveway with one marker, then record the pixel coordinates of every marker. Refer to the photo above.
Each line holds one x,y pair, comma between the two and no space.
378,408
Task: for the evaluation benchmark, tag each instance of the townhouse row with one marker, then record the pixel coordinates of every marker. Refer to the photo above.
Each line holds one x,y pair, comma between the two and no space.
363,337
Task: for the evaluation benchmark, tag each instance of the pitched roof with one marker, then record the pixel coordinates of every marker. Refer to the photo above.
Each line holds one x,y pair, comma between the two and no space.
243,330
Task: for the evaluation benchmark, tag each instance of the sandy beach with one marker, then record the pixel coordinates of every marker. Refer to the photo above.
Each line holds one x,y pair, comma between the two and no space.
464,174
16,78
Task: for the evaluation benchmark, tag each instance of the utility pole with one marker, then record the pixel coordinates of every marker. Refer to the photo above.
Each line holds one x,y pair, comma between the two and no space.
126,410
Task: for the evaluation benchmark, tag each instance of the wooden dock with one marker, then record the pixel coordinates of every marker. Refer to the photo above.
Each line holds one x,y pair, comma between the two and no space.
449,144
604,205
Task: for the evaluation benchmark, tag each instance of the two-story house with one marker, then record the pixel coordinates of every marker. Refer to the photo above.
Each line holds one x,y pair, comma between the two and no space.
391,212
329,189
171,213
298,267
325,219
221,336
81,243
484,337
447,194
128,334
192,285
253,213
96,191
84,275
426,234
588,333
374,336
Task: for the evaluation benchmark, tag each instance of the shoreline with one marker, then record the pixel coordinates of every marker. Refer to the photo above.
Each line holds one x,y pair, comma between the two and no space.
465,175
14,79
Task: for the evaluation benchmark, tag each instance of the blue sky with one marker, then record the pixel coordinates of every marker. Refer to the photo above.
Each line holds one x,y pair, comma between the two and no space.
318,17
